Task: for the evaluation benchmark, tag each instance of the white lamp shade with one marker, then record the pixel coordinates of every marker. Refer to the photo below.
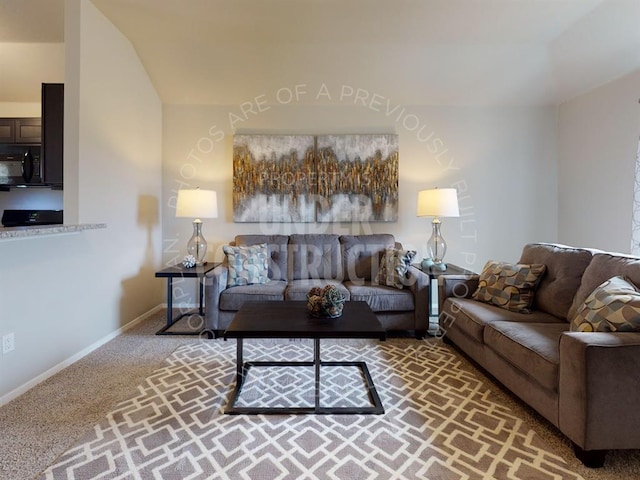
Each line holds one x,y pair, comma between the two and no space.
197,203
438,202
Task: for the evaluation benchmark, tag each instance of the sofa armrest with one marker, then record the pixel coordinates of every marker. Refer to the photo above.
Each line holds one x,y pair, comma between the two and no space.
420,287
599,389
215,283
459,286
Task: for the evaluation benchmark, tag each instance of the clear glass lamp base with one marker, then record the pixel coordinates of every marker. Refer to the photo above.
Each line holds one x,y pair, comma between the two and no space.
197,245
436,246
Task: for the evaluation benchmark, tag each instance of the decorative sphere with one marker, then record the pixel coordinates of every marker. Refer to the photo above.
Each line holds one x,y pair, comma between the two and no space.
325,302
189,261
427,262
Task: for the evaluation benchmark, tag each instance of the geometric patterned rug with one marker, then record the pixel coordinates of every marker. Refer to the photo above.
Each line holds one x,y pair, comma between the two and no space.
441,421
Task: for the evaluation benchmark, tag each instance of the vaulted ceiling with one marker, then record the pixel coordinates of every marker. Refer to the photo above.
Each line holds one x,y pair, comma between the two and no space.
414,52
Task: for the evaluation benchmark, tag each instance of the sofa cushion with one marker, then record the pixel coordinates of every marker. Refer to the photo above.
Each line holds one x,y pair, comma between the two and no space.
394,267
233,298
509,286
247,264
565,267
533,348
381,298
361,255
614,306
277,245
314,256
471,316
602,267
298,289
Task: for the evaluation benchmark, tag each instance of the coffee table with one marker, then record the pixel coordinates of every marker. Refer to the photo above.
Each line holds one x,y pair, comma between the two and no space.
292,320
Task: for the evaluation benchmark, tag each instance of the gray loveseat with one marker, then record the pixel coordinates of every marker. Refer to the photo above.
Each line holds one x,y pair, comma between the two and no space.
587,384
299,262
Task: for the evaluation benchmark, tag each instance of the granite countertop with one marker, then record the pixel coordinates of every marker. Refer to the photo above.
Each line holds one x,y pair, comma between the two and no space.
45,230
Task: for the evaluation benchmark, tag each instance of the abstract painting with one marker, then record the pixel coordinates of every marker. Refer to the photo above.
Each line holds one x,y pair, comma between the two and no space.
271,178
302,178
357,178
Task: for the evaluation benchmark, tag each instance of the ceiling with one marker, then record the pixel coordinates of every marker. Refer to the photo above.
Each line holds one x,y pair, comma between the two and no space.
409,52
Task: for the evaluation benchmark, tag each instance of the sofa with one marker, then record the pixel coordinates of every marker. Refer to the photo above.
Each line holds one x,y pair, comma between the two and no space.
586,383
298,262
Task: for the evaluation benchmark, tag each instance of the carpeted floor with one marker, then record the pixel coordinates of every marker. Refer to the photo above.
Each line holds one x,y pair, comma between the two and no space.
61,412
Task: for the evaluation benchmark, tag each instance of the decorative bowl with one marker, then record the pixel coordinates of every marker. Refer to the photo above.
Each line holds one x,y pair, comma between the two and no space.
326,302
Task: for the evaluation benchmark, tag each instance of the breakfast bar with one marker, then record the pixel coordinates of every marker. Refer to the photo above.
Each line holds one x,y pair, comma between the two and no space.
13,233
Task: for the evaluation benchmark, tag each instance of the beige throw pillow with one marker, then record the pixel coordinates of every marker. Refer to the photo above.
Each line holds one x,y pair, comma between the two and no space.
394,267
509,286
613,306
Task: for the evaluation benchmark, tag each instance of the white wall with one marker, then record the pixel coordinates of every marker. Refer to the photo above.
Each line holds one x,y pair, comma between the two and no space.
25,66
597,145
119,150
502,160
21,109
59,295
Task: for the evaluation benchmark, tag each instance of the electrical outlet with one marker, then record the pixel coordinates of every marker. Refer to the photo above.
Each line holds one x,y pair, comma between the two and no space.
8,343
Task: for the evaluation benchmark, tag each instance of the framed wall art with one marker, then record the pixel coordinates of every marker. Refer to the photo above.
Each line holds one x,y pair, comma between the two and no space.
302,178
357,178
271,178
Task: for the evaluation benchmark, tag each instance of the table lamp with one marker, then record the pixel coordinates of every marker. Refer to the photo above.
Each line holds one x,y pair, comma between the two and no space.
198,204
436,203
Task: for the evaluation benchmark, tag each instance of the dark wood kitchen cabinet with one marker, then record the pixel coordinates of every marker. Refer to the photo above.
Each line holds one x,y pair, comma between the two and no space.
52,132
28,130
7,130
20,130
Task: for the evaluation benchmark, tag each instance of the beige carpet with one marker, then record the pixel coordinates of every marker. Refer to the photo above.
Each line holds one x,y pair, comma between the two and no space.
52,417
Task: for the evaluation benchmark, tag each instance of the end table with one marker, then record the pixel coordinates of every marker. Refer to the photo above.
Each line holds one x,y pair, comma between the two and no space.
434,273
178,271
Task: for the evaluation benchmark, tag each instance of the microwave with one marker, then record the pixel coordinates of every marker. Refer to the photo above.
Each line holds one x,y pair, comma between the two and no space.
20,166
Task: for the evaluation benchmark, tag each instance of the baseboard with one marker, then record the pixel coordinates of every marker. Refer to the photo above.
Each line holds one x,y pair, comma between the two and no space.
74,358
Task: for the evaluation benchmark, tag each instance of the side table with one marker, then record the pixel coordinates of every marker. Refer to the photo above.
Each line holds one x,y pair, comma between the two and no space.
434,273
178,271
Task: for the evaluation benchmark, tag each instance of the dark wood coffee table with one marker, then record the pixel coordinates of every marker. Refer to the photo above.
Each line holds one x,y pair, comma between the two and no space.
292,320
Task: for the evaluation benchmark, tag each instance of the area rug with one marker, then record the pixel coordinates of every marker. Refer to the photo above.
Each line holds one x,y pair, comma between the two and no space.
441,421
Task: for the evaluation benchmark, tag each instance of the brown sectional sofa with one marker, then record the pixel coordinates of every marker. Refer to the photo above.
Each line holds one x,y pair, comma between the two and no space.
586,384
299,262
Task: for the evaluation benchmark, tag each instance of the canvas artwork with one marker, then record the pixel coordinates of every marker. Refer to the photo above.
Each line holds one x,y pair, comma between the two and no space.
271,178
357,178
302,178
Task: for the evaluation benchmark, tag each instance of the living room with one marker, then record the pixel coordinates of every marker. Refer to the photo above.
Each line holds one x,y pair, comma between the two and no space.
531,114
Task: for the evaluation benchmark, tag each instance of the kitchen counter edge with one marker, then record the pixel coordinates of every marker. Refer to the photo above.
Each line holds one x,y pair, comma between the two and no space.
10,233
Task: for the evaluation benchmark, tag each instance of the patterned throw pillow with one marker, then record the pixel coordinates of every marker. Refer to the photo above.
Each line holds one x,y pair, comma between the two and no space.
510,286
613,306
247,264
394,267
